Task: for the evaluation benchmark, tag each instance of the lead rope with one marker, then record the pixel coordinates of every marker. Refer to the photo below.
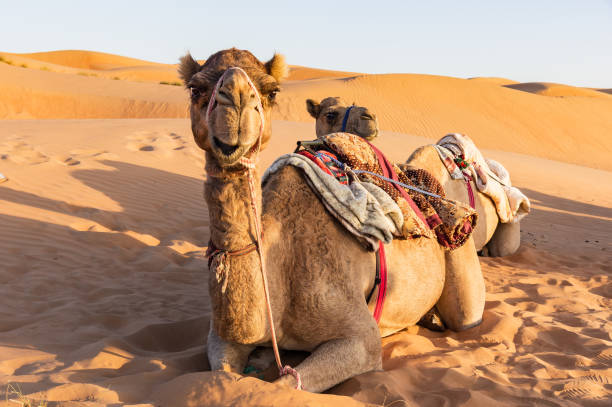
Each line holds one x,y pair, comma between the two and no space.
250,164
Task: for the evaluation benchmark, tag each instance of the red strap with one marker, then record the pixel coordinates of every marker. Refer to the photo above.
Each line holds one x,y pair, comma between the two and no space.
468,180
389,172
382,289
316,161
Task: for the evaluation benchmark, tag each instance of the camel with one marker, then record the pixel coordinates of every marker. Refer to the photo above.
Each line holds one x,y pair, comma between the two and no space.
318,274
331,113
491,237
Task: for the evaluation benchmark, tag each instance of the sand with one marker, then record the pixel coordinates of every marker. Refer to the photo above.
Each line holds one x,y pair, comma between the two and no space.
103,228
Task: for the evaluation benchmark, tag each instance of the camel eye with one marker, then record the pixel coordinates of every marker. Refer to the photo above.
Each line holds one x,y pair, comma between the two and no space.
272,96
331,116
195,92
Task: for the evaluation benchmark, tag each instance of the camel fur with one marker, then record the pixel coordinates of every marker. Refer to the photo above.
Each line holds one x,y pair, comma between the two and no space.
319,275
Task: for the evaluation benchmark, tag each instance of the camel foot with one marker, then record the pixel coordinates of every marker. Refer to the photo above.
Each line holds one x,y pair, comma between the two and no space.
226,356
432,321
462,302
262,358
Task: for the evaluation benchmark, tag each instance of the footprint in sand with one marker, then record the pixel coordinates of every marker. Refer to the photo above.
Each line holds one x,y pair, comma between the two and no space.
20,152
153,141
67,160
75,157
591,387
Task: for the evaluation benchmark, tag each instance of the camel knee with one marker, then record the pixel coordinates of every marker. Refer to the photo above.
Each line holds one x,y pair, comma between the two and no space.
338,360
373,349
460,323
462,302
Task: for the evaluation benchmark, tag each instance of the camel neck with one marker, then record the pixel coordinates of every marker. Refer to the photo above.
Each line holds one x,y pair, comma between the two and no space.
228,197
238,306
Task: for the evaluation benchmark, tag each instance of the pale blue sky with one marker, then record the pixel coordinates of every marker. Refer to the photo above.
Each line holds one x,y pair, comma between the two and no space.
525,40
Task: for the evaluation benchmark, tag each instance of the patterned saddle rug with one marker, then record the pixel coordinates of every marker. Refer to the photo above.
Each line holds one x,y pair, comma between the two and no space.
425,214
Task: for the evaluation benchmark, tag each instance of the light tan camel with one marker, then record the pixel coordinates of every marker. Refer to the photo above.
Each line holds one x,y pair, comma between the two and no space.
319,275
330,115
492,237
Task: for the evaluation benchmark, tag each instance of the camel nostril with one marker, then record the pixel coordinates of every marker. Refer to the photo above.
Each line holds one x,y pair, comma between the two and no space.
225,148
224,99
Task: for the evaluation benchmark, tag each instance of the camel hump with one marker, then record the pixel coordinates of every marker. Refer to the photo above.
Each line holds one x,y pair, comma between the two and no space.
423,155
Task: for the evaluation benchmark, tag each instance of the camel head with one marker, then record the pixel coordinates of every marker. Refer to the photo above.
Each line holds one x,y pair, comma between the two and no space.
331,112
234,120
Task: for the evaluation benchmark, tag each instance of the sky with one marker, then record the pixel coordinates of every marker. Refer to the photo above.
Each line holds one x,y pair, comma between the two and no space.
560,41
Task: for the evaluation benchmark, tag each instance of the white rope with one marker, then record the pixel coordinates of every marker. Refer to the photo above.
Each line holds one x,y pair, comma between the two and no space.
419,190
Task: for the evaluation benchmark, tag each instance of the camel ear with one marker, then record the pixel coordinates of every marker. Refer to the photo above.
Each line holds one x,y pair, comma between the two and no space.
313,108
277,67
188,67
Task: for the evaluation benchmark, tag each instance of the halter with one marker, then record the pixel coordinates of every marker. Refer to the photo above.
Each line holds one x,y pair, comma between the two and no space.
246,162
250,163
346,116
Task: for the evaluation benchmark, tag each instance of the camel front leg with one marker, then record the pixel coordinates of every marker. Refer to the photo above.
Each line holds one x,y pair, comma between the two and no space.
337,360
226,356
463,298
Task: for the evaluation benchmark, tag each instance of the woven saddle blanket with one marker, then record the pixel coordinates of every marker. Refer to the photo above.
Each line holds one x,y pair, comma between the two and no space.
451,222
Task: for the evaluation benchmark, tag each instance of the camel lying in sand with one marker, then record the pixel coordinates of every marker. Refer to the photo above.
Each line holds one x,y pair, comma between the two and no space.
318,274
334,115
492,237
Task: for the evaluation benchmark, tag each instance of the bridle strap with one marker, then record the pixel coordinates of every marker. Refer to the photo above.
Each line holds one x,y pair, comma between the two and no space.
250,164
247,162
345,118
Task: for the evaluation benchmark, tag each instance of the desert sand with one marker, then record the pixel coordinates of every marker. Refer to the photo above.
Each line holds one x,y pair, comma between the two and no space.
103,230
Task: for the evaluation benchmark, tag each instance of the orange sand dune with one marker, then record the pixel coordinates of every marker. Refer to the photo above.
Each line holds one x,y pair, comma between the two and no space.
88,59
554,89
299,73
104,281
493,80
29,93
572,128
91,63
103,229
569,129
96,64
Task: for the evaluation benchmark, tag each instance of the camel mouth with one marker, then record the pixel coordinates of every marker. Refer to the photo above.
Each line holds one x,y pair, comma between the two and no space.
226,149
228,154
